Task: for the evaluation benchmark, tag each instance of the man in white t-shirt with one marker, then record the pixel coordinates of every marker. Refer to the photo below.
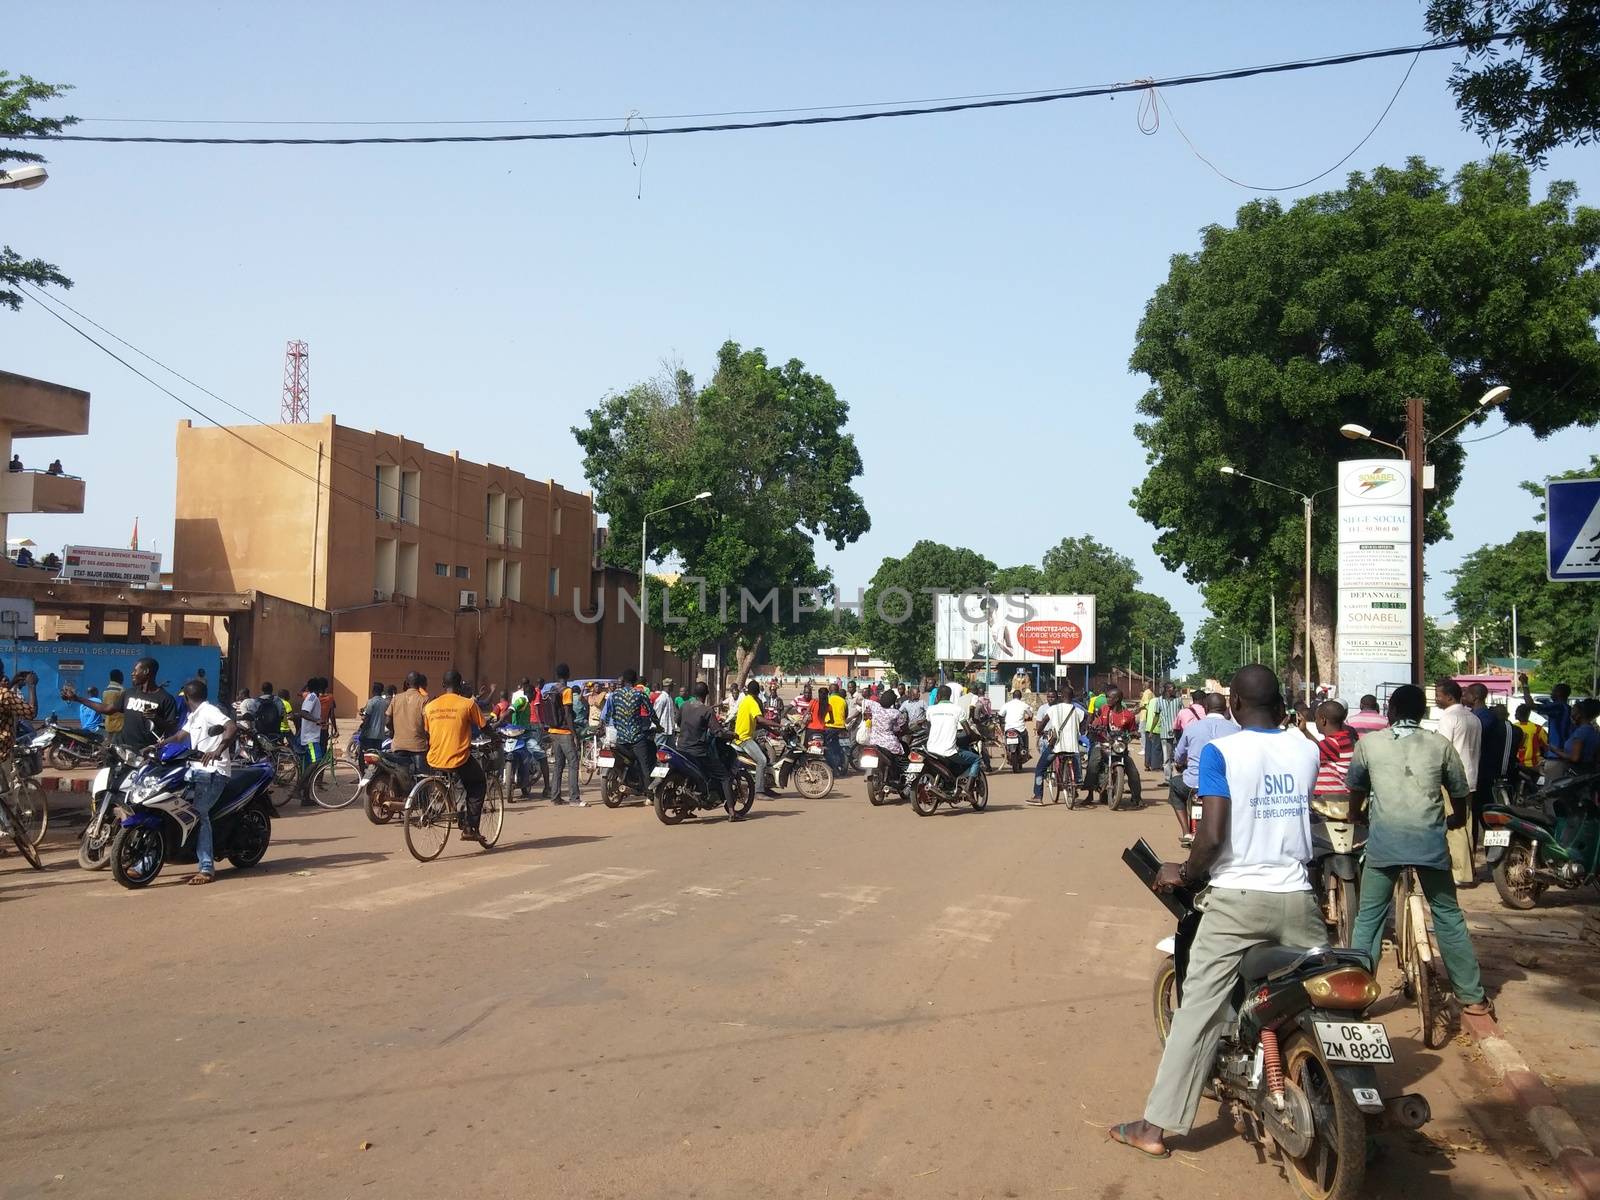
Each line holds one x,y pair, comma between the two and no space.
1461,727
1014,719
944,722
1250,856
210,775
1059,723
310,737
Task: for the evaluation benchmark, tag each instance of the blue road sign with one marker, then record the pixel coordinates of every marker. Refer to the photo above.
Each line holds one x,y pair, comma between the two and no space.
1572,540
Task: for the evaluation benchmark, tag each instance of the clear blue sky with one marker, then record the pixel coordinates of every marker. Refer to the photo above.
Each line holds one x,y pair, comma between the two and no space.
969,283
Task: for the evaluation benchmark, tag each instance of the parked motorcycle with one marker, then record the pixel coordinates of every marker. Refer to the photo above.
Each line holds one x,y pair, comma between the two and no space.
679,789
1529,852
934,780
797,755
1296,1066
279,753
67,749
105,810
1335,867
161,824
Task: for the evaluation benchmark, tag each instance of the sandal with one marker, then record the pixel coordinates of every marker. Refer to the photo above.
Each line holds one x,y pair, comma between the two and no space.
200,877
1481,1009
1119,1133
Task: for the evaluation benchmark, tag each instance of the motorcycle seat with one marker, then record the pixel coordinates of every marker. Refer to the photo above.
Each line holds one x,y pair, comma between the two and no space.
1261,961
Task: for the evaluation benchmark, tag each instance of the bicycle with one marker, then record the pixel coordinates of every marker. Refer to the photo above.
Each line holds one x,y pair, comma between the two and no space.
589,759
28,804
16,823
434,806
1418,960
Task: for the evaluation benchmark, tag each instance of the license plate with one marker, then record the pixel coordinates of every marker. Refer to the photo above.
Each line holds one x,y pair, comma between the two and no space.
869,761
1497,837
1012,739
1356,1042
913,768
817,750
660,771
607,762
1195,812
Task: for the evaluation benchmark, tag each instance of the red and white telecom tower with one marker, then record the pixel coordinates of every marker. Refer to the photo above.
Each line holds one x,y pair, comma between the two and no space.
296,384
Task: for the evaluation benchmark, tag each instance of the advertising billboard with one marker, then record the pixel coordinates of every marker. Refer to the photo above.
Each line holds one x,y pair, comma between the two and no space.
1375,593
1013,628
112,565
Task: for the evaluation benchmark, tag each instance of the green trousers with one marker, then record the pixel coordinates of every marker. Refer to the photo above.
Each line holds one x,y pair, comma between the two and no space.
1449,926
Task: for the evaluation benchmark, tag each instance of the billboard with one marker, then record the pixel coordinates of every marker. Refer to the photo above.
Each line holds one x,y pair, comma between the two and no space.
111,565
1375,593
1014,627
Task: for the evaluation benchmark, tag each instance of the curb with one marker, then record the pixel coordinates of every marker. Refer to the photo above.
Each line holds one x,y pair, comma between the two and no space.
58,783
1557,1132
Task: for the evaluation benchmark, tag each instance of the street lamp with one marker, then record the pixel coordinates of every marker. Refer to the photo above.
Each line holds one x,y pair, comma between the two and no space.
1416,452
23,177
1307,501
644,563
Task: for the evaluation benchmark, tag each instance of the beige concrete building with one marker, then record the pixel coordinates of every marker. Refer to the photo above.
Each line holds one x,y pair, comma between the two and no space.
32,408
414,553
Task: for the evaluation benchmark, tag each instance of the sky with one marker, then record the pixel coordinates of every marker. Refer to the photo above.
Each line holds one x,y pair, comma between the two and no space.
970,284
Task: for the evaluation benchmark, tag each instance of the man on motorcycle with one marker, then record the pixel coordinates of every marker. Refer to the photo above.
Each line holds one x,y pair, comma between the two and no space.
1113,717
748,717
1197,735
210,733
451,719
1250,858
944,723
696,723
1014,718
631,714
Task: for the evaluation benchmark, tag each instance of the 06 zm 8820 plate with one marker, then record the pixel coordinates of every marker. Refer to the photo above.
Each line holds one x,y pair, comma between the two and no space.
1354,1041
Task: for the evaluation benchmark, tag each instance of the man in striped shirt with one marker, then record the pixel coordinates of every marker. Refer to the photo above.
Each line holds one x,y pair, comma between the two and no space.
1335,747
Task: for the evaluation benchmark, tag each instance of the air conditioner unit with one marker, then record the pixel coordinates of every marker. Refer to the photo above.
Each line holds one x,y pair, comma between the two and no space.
469,599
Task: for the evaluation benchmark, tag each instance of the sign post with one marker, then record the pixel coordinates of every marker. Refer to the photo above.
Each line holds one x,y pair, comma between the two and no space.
112,565
1572,530
1376,590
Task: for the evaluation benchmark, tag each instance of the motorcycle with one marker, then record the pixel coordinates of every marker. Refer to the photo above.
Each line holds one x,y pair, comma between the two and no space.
798,755
161,823
524,757
1111,781
934,780
679,789
66,749
623,778
1296,1066
1016,753
886,774
1335,867
386,781
105,810
1528,853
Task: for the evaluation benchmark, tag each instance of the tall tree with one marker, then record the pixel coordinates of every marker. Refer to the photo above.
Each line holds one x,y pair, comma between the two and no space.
1295,321
1158,631
18,95
769,444
897,620
1086,566
1540,89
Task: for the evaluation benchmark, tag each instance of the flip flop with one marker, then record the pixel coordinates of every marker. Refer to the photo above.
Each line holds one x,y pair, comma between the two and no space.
199,877
1119,1134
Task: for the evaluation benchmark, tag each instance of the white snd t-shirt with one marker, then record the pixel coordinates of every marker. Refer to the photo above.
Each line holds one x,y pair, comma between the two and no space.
943,721
1016,712
1267,776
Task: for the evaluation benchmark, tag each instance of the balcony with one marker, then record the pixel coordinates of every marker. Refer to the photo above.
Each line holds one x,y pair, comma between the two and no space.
40,492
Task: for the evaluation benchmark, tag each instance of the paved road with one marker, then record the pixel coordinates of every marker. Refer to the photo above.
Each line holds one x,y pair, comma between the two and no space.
826,1000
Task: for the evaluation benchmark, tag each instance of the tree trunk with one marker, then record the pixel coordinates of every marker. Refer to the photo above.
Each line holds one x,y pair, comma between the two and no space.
1294,672
747,659
1323,619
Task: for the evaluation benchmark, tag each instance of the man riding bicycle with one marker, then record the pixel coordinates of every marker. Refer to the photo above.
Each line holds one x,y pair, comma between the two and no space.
451,719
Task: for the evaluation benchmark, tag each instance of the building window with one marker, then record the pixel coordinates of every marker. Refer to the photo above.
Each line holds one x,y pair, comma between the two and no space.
555,522
463,573
494,517
514,521
384,555
442,570
405,570
387,479
410,496
555,581
494,580
513,581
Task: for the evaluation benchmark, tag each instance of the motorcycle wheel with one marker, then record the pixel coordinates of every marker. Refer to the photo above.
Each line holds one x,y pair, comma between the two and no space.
615,790
874,790
94,854
1015,759
137,855
744,793
1335,1167
1165,997
1114,789
978,794
58,758
813,779
376,800
1339,906
1514,876
666,804
924,799
251,837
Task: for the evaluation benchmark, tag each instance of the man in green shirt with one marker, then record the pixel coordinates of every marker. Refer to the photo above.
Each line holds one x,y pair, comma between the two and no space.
1403,774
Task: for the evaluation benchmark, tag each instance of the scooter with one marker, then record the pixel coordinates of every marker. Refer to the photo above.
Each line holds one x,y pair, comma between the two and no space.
1016,754
679,789
162,824
1296,1066
1528,853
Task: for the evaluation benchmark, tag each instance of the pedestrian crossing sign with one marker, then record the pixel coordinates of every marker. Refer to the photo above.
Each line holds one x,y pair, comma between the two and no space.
1572,524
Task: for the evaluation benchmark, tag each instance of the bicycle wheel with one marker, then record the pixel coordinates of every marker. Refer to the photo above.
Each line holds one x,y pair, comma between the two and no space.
335,781
430,812
589,763
13,824
285,773
32,810
493,817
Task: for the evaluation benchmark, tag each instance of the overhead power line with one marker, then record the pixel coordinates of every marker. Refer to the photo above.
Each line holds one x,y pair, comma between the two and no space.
784,122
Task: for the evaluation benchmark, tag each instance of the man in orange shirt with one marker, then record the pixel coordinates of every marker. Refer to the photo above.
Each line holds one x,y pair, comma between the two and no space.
451,719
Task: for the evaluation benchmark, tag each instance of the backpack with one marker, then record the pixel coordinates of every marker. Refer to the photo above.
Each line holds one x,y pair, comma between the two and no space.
267,717
555,709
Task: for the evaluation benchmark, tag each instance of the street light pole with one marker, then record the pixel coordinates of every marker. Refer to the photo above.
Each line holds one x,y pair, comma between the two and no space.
644,564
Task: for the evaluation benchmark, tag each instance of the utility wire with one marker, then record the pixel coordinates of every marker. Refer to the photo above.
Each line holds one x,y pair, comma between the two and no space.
793,121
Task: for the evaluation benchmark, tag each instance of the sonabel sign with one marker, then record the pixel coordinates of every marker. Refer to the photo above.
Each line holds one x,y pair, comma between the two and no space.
1375,586
109,565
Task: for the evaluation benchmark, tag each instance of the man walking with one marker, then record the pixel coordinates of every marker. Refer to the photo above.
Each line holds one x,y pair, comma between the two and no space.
1252,849
1167,708
833,724
1399,774
555,713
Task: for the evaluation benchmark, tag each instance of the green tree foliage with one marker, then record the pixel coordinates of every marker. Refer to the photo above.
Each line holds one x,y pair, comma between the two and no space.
1217,650
769,444
1155,633
1295,321
795,647
1025,578
1537,91
17,96
908,643
1557,623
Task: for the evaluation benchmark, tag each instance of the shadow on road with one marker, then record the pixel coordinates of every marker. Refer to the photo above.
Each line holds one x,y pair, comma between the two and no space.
553,843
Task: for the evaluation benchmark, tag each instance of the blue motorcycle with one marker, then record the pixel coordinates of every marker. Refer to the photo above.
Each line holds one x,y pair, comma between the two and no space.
162,825
525,757
679,788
